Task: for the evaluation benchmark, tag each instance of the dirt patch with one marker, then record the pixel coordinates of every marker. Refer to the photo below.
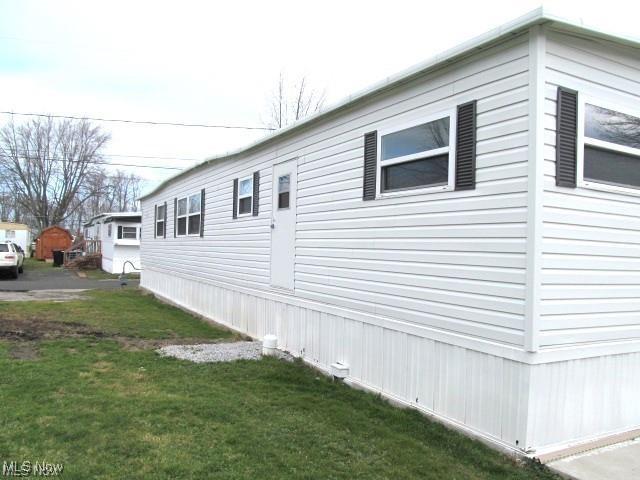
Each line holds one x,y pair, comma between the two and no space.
30,330
34,329
24,351
41,295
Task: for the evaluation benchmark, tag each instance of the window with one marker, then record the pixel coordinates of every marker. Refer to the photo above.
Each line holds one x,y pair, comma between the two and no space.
160,216
188,215
611,153
245,196
127,233
4,247
10,234
284,186
418,156
109,230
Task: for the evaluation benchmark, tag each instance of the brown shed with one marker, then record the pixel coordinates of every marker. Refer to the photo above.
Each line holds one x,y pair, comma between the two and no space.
50,239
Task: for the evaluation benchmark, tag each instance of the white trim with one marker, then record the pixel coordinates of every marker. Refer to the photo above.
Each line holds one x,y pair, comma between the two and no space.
127,226
535,191
450,113
187,215
240,196
582,139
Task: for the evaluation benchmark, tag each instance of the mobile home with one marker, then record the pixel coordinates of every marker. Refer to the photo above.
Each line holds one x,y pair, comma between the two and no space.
16,232
119,235
463,238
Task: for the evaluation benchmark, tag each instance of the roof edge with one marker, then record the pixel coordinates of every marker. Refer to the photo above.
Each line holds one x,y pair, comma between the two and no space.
537,16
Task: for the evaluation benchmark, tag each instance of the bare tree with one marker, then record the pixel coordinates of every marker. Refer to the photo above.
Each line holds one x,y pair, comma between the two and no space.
290,102
45,164
110,192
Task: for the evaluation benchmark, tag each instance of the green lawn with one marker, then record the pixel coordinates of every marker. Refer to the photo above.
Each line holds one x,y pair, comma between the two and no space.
102,275
34,264
77,394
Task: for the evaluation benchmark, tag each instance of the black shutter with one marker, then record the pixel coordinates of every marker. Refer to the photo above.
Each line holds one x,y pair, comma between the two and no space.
155,220
175,216
119,232
235,198
566,137
164,225
256,193
370,165
202,212
466,146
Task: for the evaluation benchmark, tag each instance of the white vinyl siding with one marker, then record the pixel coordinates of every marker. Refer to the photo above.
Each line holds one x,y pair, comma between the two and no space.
591,260
451,260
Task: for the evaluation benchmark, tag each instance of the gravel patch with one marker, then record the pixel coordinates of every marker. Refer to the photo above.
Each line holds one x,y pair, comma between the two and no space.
215,352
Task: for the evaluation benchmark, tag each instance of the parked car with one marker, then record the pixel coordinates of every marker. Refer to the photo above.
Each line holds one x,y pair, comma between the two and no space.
11,258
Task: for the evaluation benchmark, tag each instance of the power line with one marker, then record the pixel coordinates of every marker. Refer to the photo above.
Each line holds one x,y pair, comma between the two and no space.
152,157
138,122
101,163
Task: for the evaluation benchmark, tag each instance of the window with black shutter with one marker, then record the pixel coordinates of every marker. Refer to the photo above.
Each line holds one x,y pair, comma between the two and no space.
189,215
161,220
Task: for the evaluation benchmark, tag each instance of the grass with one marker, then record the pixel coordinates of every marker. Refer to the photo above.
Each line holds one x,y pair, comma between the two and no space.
34,264
102,275
106,411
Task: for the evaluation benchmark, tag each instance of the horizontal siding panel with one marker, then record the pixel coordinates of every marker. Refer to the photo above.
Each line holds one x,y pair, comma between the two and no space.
506,245
508,260
435,319
419,293
326,275
492,273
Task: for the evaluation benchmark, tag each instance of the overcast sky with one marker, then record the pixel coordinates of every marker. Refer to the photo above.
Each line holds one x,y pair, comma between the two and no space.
216,62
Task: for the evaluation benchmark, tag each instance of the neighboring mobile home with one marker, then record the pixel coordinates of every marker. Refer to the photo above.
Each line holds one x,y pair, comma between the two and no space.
464,237
16,232
119,235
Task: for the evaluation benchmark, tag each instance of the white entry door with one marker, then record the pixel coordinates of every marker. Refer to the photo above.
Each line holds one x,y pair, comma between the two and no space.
283,224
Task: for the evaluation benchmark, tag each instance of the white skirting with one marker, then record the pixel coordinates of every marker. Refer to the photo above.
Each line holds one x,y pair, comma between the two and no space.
513,404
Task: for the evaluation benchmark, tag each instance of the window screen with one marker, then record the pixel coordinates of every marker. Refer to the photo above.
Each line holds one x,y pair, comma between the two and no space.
431,171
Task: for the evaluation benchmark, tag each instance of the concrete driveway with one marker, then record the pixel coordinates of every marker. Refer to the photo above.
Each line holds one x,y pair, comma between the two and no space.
615,462
55,278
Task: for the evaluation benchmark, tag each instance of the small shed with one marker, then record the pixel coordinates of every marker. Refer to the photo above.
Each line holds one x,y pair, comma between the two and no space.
50,239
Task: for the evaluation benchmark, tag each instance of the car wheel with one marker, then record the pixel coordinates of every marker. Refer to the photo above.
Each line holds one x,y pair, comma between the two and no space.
14,272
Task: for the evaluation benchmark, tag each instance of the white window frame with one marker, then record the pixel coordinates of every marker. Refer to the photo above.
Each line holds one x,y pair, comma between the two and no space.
240,180
451,149
187,215
583,140
135,233
160,219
